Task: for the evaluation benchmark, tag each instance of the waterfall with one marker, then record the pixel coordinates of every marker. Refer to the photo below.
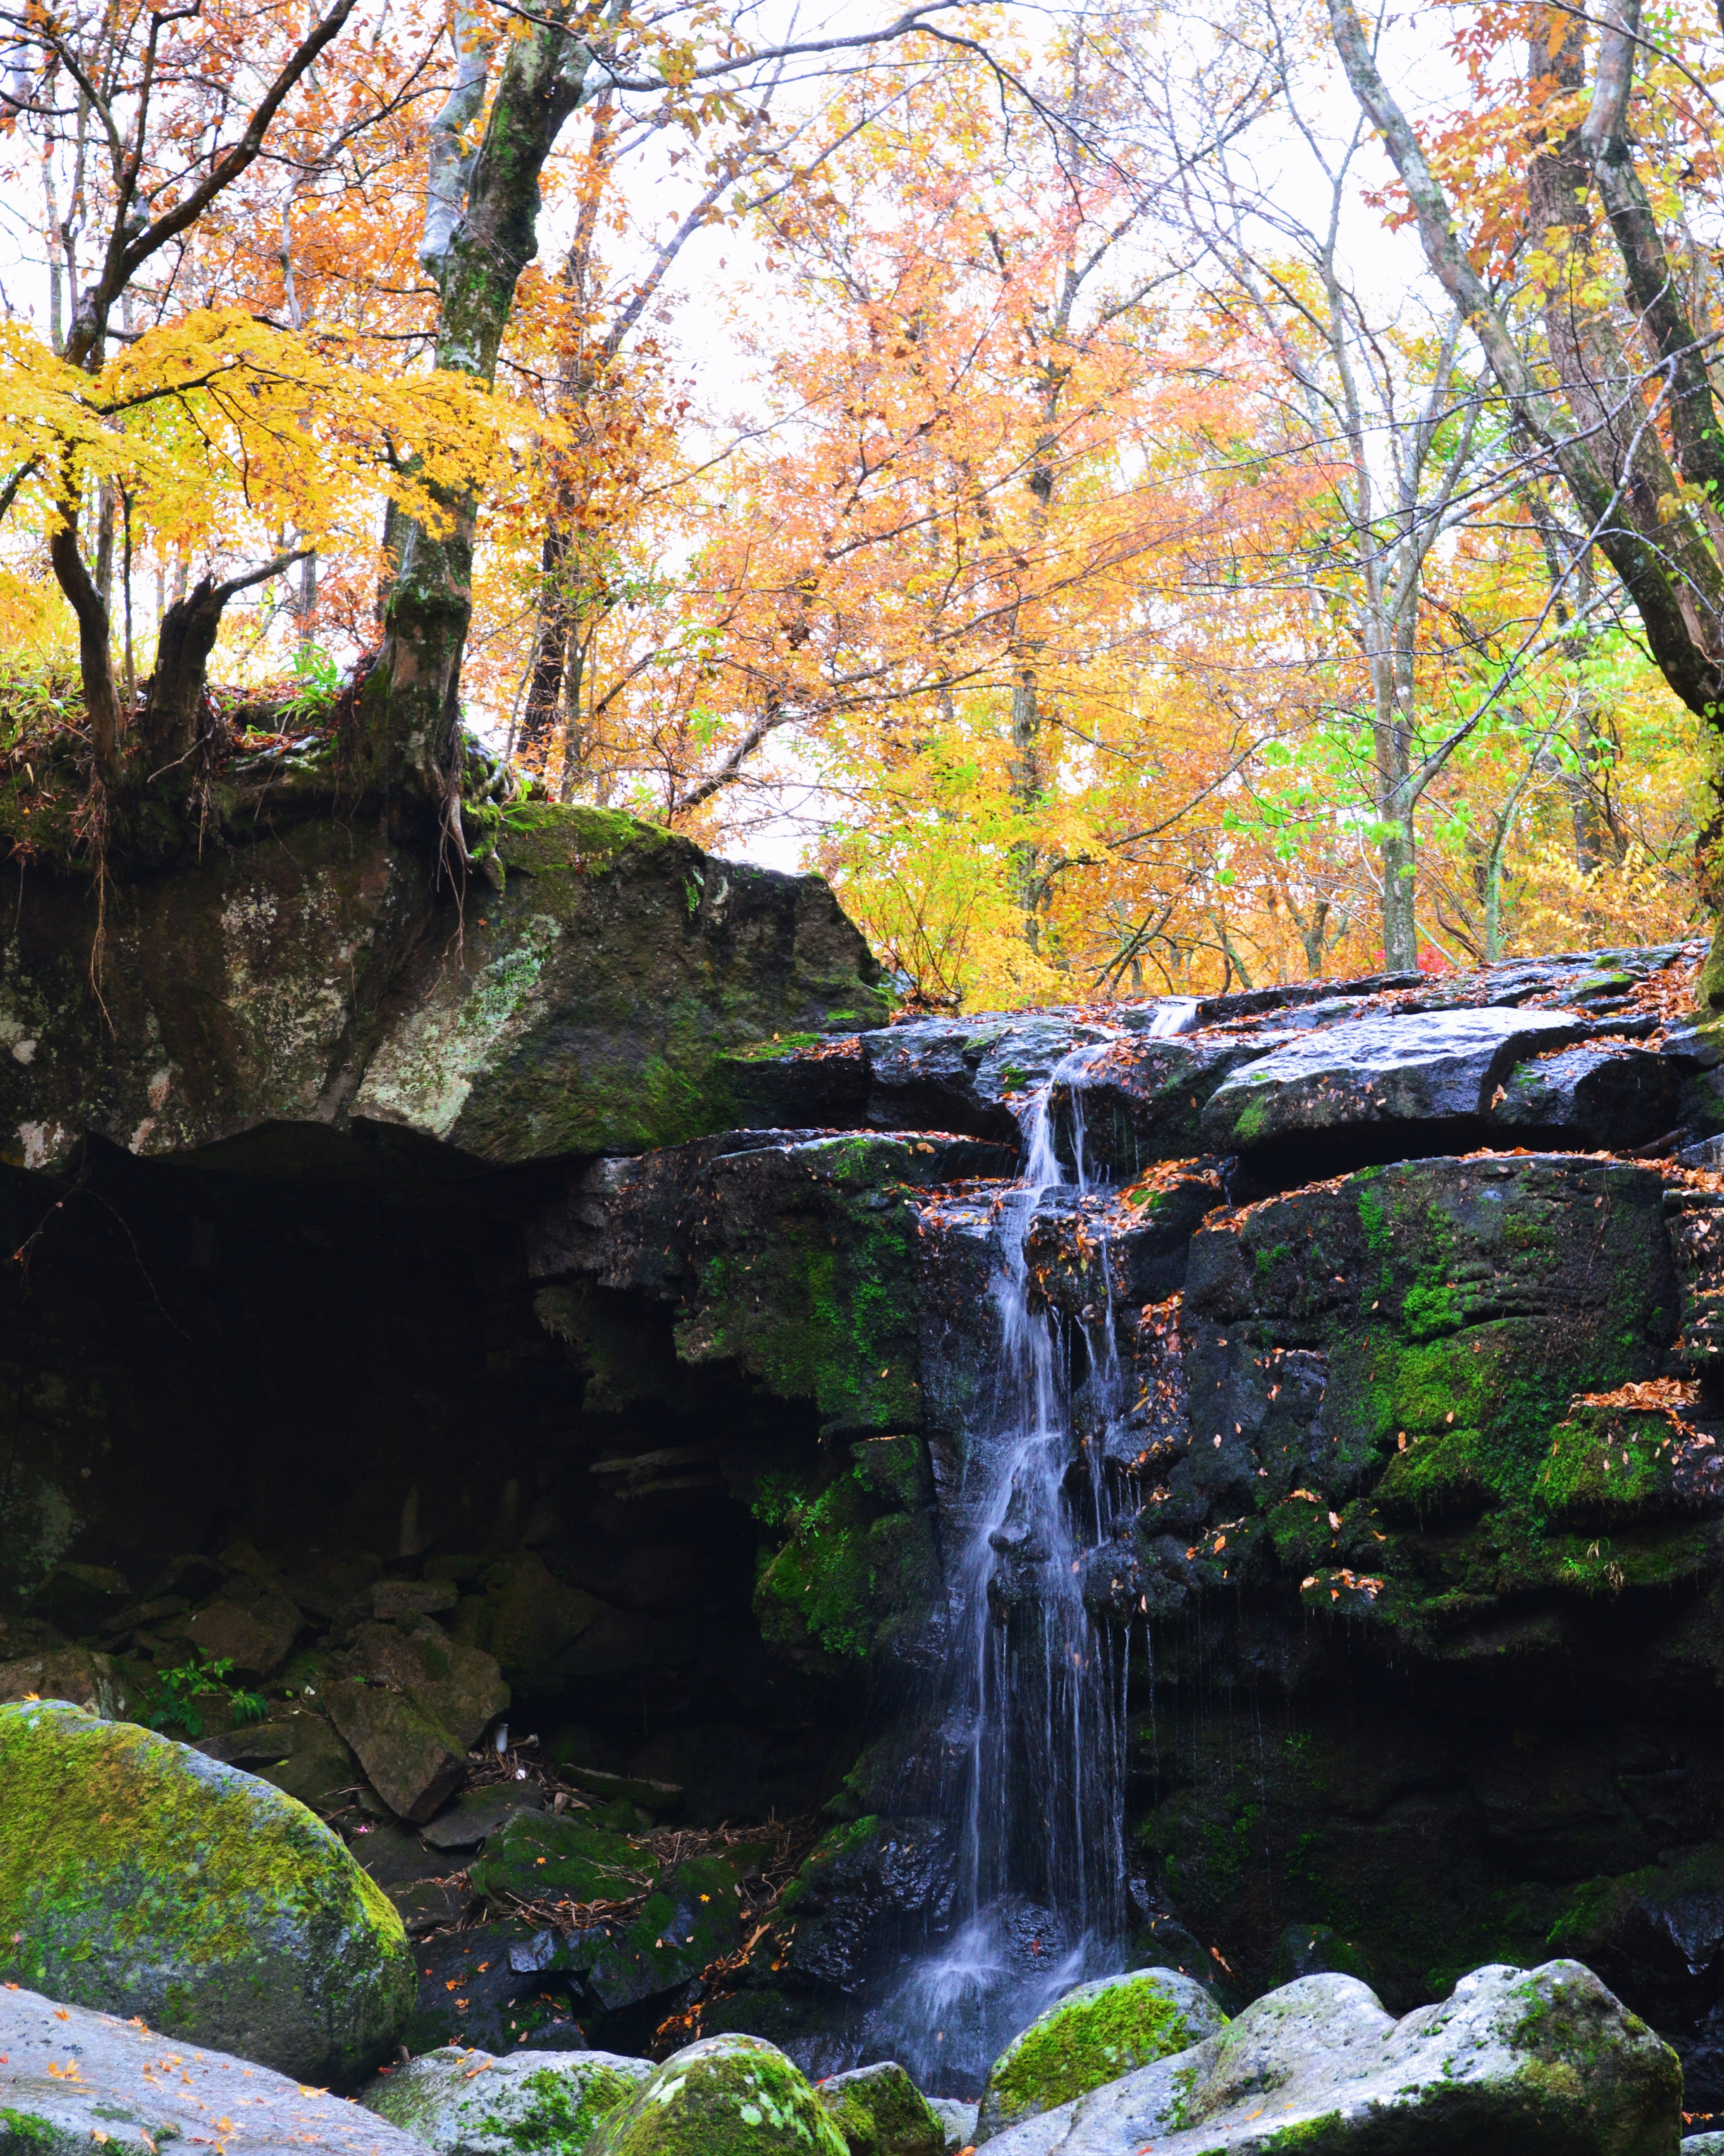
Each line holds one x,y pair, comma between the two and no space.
1034,1689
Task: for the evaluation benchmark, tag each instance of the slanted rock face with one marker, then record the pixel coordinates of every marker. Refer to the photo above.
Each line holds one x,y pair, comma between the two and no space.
464,2103
71,2080
140,1877
1545,2061
605,990
880,2111
1098,2033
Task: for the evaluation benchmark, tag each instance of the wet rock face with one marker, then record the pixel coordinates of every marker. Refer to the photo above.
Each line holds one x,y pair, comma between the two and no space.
585,1326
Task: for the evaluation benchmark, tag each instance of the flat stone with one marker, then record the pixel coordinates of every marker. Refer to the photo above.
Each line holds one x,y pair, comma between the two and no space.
414,1766
71,2080
137,1876
1428,1067
1545,2061
465,2103
477,1813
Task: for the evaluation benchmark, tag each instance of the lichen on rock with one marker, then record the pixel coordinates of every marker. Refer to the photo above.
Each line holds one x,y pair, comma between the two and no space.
726,2096
463,2102
139,1877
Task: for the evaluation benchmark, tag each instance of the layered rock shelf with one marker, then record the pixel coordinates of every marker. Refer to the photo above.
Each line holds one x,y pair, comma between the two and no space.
501,1370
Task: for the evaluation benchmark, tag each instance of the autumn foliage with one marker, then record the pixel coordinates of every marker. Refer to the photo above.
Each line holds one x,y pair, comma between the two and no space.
1110,583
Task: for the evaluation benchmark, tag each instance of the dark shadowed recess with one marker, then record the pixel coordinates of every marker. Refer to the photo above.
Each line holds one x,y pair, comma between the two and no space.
325,1347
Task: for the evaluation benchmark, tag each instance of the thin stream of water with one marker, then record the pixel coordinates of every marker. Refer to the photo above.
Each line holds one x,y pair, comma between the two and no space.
1035,1708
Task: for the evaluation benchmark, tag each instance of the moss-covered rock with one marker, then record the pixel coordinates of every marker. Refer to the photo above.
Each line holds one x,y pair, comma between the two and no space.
1543,2062
726,2096
542,1855
592,995
463,2102
141,1878
880,2111
857,1570
1095,2033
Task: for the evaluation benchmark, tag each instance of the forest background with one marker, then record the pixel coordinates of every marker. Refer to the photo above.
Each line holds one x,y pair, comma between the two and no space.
1047,468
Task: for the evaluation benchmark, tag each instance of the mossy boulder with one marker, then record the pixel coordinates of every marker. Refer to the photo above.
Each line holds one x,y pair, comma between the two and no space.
1516,2062
141,1878
880,2111
726,2096
464,2103
1094,2034
597,990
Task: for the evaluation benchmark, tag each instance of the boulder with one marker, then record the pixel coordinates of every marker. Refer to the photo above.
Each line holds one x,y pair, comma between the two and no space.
457,1685
1428,1067
464,2103
1097,2033
254,1632
1544,2062
138,1877
94,1682
72,2081
478,1813
604,996
880,2111
726,2096
1607,1094
414,1765
957,2122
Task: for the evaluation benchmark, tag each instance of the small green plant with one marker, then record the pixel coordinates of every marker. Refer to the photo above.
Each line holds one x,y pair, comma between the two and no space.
173,1703
319,679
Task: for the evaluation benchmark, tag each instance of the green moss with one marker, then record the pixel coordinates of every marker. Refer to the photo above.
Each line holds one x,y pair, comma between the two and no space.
1607,1466
540,837
561,2117
1309,2135
857,1553
730,2096
1078,2046
539,1853
136,1874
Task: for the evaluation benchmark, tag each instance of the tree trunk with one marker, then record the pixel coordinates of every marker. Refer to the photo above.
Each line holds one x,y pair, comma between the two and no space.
481,232
187,638
545,682
1400,911
95,656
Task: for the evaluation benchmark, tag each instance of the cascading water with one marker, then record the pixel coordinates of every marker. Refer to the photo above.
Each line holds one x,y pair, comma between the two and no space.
1034,1706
